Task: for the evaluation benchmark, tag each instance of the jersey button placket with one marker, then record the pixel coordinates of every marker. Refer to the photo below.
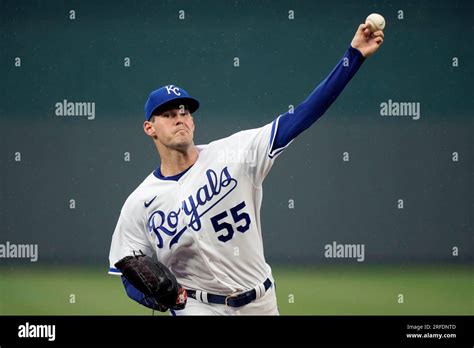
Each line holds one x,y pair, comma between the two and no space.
180,198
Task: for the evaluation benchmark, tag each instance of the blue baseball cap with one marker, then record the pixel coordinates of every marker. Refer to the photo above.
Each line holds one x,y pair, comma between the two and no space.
169,96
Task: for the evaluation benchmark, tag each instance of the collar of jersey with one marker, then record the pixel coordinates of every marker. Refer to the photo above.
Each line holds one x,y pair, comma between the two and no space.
176,177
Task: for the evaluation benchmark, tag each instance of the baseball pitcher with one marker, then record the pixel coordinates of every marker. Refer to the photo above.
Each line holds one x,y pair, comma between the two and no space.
189,238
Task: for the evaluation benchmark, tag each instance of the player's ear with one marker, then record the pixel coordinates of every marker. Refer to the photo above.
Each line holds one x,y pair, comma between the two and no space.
149,129
192,120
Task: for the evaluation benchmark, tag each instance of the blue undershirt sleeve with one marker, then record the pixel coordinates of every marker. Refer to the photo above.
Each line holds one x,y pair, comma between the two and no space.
136,294
309,111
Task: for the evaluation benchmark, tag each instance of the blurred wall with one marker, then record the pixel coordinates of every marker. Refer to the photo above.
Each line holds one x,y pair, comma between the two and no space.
312,197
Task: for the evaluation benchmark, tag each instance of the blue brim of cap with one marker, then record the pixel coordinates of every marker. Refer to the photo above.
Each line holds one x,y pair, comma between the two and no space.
191,103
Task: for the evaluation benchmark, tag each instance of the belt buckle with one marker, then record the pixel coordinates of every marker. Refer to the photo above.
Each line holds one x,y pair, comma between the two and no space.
235,294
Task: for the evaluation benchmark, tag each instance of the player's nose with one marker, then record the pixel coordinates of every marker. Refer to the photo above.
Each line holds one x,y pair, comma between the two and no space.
179,121
179,117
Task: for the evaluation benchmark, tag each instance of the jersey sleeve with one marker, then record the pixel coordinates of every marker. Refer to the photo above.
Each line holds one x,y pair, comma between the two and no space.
129,237
257,150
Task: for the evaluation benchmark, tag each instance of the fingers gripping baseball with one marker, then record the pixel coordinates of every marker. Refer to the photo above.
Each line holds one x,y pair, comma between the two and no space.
369,35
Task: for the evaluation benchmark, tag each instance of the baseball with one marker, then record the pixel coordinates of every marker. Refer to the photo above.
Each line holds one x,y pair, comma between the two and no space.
376,22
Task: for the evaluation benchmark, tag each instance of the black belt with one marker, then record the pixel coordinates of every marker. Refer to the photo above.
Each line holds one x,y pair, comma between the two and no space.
237,300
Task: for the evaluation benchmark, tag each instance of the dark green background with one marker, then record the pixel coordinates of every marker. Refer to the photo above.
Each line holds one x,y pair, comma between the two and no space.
281,61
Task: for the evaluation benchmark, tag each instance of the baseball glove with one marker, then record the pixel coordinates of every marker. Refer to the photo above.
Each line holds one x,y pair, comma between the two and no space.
154,280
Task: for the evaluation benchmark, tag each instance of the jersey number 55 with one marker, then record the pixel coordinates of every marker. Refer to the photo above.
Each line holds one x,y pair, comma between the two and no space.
237,215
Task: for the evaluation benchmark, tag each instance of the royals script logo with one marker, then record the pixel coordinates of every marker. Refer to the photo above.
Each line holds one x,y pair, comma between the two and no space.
217,187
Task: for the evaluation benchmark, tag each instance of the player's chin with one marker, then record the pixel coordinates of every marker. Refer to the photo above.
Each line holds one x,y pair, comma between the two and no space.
183,142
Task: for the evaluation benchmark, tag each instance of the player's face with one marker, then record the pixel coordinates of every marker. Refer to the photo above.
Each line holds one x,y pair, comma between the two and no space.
173,128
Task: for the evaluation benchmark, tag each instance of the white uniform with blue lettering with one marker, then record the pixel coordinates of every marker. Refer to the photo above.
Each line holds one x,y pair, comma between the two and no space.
206,226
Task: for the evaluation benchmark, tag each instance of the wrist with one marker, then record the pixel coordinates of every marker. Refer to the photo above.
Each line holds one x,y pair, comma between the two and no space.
356,49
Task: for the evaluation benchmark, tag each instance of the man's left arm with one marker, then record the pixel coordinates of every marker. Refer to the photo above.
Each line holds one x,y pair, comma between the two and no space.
290,126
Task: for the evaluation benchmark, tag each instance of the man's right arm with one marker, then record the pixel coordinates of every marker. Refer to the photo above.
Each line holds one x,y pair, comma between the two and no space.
129,239
137,295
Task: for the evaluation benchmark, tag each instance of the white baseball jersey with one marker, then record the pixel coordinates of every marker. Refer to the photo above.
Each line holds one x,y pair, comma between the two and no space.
205,226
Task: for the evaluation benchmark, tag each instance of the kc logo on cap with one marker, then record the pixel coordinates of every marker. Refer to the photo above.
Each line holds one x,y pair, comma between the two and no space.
168,97
174,89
